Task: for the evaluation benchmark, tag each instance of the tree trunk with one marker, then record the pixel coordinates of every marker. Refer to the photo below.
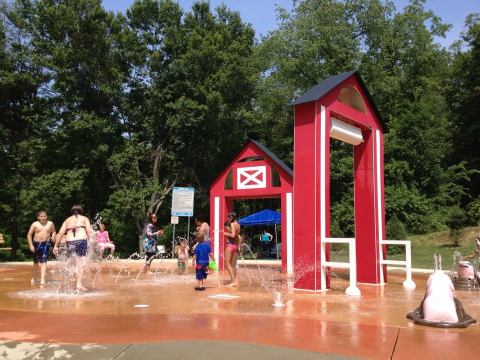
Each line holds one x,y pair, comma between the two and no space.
140,230
14,227
140,243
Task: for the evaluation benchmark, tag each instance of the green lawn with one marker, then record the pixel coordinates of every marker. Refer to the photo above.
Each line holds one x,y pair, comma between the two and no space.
424,246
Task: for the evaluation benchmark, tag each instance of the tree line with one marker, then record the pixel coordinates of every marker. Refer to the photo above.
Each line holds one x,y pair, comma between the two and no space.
111,110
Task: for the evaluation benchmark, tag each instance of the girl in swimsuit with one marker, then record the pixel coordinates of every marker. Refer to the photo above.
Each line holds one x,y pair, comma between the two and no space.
152,232
232,235
77,230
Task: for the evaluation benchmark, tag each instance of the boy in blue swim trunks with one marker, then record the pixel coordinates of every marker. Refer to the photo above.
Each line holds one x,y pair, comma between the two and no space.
203,253
39,235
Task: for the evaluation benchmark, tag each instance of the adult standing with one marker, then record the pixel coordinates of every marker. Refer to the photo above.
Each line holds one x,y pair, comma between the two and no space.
77,230
152,234
203,228
232,235
265,240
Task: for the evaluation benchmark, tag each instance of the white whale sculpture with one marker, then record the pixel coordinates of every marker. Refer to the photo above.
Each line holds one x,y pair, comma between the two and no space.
439,303
440,308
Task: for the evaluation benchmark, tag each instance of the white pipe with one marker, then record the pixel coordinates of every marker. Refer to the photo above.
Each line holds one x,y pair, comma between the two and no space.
323,207
408,283
289,236
352,289
216,229
345,132
276,240
378,180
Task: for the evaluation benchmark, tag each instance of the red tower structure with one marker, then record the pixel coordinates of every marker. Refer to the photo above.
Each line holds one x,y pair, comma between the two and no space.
339,107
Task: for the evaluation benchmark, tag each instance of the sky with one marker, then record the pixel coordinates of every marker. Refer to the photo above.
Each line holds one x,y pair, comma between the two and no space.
261,13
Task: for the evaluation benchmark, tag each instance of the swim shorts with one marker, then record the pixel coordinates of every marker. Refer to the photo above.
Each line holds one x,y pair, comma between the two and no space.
42,249
77,247
201,271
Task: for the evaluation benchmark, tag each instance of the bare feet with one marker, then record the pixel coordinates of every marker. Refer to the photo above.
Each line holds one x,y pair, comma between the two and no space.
32,281
43,283
81,288
233,284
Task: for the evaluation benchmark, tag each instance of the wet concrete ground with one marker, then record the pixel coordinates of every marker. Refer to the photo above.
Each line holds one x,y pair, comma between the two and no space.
121,315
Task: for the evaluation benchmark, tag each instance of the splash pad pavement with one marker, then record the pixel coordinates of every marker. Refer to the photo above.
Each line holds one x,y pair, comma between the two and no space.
127,316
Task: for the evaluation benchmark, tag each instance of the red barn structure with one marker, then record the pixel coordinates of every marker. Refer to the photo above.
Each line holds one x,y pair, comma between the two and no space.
255,172
340,107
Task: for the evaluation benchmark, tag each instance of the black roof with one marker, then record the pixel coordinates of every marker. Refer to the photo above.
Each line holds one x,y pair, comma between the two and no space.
274,157
331,82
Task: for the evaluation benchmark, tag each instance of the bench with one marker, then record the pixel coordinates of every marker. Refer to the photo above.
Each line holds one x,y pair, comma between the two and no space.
2,243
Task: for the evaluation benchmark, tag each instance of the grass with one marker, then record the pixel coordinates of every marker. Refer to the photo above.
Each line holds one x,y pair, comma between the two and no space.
425,246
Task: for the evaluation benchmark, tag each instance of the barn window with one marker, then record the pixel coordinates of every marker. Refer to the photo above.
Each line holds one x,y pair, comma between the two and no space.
350,96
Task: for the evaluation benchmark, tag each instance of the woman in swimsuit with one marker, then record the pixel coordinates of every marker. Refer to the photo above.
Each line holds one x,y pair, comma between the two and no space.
232,235
77,230
204,229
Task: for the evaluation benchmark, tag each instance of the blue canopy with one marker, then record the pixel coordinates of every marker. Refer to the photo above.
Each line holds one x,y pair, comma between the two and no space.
264,217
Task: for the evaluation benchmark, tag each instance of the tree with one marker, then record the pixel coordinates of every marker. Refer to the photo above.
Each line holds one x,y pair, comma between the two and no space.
77,43
395,231
405,71
24,120
188,107
464,99
456,219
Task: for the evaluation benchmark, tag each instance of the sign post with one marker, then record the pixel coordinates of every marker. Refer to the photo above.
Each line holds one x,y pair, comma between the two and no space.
182,205
174,221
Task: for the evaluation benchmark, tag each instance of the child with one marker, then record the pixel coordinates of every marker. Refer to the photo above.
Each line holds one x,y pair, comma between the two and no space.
200,260
152,233
103,241
182,256
39,236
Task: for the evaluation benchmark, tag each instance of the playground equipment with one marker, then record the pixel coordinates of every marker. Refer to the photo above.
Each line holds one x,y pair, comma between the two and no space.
254,173
340,107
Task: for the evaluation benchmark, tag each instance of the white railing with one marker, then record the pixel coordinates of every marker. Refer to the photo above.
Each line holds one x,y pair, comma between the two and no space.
351,265
408,283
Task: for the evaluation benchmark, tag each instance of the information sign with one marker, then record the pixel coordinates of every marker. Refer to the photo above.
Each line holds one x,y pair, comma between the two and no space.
182,201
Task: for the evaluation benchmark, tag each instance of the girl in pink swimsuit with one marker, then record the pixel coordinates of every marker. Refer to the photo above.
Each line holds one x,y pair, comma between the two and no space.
232,235
103,241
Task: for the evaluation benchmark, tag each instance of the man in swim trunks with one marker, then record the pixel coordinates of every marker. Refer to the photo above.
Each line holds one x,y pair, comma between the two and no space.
77,230
39,235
